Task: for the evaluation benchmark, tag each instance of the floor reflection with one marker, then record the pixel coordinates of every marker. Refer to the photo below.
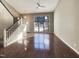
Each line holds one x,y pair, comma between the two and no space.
24,42
41,41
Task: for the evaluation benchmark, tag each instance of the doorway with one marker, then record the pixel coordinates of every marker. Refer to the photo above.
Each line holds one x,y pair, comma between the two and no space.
41,24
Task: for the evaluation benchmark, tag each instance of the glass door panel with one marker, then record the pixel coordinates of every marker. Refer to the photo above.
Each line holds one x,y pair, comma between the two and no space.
41,24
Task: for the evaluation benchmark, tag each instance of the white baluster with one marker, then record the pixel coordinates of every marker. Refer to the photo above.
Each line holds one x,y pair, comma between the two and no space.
5,38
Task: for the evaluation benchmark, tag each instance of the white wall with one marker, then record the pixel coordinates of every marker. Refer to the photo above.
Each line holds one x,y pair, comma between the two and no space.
6,19
66,23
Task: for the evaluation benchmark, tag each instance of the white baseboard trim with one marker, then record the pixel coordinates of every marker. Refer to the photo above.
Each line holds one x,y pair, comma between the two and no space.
68,45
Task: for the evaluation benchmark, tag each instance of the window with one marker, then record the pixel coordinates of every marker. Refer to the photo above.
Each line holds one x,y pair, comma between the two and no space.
41,24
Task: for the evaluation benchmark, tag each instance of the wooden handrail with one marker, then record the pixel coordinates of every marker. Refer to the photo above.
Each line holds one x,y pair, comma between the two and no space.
11,26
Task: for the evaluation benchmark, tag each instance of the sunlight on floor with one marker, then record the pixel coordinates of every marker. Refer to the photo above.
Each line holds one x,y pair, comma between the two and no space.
41,41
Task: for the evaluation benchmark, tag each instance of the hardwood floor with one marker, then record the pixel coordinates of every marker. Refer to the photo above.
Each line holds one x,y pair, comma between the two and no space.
38,45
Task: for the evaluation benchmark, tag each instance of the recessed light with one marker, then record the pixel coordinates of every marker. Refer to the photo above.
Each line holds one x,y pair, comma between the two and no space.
24,17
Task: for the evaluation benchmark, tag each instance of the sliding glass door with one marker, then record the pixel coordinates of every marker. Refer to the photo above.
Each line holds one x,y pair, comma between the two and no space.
41,24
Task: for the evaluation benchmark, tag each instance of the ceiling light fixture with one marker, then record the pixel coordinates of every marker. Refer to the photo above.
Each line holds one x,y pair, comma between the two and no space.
39,5
24,17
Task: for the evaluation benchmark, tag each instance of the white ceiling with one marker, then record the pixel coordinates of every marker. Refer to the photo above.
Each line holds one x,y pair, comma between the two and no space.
30,6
